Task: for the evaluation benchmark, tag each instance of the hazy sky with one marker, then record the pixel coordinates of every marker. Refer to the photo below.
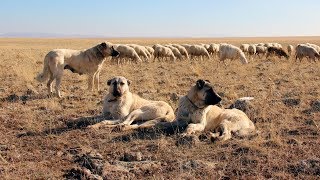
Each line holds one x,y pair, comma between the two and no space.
162,18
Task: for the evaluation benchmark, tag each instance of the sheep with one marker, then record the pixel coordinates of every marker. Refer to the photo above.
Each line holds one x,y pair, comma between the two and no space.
303,50
141,51
175,51
213,48
261,50
244,47
205,45
228,51
126,52
252,50
316,47
150,50
198,50
182,50
187,47
163,52
290,49
277,51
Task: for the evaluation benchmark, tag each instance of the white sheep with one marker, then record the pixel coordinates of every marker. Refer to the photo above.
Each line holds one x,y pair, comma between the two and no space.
150,50
316,47
198,51
182,50
163,52
244,47
290,49
141,51
175,51
126,52
252,50
304,50
261,50
213,49
228,51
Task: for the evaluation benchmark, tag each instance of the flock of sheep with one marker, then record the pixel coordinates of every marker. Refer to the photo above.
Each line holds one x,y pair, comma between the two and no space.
139,53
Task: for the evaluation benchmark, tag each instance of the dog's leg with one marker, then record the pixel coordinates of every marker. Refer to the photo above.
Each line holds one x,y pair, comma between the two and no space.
105,123
133,116
58,82
96,80
90,82
225,128
193,128
49,85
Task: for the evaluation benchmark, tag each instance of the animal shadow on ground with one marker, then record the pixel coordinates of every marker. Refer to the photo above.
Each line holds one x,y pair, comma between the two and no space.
160,129
71,124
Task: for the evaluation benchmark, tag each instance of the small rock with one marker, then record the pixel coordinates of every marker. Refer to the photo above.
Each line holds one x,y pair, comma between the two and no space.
293,142
13,98
291,102
136,156
315,105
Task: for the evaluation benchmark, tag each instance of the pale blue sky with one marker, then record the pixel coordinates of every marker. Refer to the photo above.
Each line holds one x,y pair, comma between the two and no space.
162,18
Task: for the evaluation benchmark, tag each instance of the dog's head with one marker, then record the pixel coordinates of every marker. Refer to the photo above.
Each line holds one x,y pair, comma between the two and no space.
106,49
118,86
202,94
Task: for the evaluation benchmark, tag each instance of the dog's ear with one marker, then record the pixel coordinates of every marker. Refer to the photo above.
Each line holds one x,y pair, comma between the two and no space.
200,83
103,44
129,82
109,82
207,81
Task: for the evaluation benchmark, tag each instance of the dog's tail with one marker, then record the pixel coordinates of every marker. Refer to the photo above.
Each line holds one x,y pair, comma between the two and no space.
44,75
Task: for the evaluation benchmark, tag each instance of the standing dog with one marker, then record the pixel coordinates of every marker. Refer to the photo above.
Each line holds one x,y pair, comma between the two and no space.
199,108
123,108
88,61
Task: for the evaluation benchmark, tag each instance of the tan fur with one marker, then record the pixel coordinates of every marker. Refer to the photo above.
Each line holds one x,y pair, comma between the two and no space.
128,107
203,117
88,62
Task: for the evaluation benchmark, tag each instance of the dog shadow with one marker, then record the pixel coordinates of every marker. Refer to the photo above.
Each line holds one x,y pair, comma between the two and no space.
159,130
70,125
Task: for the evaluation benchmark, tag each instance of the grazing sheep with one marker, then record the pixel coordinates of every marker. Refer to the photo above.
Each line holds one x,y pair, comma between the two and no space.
163,52
141,51
182,50
198,51
261,50
175,51
316,47
213,49
228,51
150,50
126,52
187,47
290,49
303,50
252,50
244,47
277,51
205,45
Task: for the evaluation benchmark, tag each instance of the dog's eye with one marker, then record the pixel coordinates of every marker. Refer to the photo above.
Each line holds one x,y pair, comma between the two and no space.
121,83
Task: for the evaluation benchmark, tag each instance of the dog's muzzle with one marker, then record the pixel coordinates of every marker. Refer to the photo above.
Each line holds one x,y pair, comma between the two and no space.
114,53
212,98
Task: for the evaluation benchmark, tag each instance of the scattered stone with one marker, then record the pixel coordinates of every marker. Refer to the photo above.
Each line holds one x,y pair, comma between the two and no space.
293,142
197,164
315,106
132,156
291,102
13,98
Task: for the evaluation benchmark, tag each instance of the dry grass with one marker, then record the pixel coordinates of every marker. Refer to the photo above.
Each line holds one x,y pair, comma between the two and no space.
288,139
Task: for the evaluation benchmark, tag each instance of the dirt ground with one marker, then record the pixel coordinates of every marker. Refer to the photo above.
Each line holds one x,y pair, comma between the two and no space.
47,138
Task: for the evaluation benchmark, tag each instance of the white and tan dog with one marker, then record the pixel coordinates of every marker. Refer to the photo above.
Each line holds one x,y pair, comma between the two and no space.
88,61
122,108
199,108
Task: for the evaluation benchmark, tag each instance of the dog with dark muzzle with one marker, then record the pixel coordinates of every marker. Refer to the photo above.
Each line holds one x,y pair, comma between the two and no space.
199,108
121,108
88,61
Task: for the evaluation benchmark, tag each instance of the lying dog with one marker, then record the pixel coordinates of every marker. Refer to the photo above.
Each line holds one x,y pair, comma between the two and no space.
88,61
199,108
121,107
